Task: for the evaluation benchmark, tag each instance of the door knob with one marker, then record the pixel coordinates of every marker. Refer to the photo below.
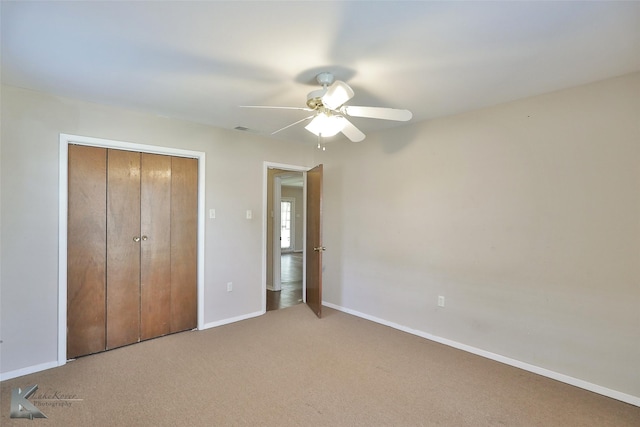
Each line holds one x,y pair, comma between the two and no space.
136,239
320,248
144,238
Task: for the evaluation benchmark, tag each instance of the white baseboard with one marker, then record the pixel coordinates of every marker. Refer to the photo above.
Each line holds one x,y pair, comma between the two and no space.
233,319
43,366
28,370
614,394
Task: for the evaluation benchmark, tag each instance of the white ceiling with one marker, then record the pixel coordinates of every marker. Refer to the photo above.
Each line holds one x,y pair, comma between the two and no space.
201,60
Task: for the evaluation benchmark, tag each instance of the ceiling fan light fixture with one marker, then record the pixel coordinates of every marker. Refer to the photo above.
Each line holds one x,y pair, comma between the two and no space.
326,125
337,94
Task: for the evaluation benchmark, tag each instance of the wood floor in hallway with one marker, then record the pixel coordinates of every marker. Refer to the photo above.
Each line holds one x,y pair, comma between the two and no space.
291,275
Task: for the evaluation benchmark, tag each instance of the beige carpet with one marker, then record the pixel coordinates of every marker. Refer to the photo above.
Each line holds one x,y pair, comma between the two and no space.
288,368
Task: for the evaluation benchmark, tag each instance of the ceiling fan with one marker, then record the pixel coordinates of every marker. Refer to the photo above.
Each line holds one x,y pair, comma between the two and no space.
330,112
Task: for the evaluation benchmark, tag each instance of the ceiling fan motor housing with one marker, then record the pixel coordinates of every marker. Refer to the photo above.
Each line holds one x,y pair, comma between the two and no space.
314,98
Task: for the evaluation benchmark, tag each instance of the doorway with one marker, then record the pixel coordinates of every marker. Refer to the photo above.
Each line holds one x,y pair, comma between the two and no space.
285,236
288,291
312,247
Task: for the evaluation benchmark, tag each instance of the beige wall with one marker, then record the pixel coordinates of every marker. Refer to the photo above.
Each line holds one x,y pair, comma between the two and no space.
31,124
525,216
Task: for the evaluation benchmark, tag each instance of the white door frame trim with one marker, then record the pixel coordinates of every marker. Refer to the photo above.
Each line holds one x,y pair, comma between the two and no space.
276,284
65,140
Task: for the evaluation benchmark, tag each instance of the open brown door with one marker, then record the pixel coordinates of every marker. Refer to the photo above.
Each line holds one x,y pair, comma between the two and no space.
314,246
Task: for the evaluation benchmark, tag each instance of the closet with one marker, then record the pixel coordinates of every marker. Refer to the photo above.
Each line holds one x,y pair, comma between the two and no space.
131,247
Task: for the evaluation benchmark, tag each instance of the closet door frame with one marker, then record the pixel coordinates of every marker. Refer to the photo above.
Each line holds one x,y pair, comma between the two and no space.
65,140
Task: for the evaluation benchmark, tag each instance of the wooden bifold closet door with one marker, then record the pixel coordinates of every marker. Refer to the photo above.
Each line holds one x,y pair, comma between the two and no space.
132,232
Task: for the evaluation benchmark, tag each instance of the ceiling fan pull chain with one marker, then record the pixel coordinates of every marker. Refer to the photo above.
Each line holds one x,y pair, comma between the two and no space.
320,144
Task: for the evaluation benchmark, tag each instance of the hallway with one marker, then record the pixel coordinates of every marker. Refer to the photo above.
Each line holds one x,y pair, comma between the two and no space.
291,292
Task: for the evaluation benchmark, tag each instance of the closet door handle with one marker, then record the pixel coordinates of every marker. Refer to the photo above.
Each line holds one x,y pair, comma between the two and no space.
144,238
136,239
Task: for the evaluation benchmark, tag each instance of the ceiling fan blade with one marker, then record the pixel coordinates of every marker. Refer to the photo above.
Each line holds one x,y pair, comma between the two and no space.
377,113
352,132
337,94
292,124
275,108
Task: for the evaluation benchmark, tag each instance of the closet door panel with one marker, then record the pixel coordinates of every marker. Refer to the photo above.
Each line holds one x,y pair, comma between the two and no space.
155,267
86,250
123,251
184,234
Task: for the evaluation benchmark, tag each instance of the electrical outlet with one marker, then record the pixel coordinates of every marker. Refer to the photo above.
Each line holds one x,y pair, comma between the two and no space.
440,301
229,286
